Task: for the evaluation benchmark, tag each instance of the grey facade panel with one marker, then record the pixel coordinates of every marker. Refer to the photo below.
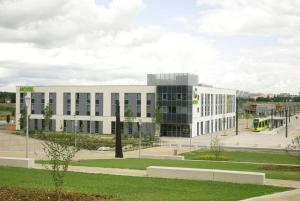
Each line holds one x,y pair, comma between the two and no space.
22,101
99,104
132,101
172,79
39,124
67,104
83,104
150,104
114,98
37,103
52,103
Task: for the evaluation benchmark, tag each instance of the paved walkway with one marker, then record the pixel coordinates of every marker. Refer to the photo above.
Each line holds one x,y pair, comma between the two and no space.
99,170
293,195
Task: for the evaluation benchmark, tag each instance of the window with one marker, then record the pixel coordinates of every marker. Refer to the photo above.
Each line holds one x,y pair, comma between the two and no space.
126,102
138,102
164,97
179,96
148,114
148,102
68,113
138,114
97,101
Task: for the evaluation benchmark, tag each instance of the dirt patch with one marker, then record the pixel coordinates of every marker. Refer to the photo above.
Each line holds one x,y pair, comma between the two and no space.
23,194
280,168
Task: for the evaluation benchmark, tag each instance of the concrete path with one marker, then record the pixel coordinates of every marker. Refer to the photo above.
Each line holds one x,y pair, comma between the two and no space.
99,170
293,195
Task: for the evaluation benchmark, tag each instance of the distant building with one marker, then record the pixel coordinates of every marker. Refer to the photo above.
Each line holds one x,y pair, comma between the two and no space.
187,108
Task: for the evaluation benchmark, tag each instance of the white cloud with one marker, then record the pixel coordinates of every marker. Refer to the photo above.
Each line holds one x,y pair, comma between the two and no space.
81,42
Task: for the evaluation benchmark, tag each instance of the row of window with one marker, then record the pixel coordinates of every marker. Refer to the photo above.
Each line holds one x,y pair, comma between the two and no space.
216,125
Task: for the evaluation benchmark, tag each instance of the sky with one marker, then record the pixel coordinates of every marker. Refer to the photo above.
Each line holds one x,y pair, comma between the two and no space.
238,44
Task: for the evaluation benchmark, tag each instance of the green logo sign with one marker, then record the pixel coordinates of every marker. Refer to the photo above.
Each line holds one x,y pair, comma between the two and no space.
26,89
195,97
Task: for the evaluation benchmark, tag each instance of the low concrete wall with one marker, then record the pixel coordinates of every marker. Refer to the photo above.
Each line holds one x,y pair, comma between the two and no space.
167,157
206,174
17,162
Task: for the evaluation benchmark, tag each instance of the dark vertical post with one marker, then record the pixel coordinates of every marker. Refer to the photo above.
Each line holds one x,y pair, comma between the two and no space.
237,117
118,150
286,123
272,119
289,115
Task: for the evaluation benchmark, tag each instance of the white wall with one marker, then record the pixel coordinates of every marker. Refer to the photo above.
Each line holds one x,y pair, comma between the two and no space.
105,89
197,115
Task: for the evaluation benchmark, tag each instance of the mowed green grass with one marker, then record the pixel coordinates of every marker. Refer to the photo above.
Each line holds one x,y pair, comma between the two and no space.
136,188
142,164
249,156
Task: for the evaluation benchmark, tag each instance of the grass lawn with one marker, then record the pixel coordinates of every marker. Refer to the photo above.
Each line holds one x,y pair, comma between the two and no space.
248,156
142,164
136,188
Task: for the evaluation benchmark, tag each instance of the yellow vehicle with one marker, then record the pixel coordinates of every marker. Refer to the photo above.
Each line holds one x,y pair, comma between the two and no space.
260,124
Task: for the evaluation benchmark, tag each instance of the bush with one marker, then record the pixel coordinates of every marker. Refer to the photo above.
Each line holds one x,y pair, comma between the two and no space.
211,158
93,142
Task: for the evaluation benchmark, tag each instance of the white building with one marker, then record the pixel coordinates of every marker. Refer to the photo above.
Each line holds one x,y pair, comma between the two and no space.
187,107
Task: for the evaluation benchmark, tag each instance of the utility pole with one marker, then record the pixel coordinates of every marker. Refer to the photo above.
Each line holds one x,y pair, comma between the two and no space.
237,117
272,119
286,123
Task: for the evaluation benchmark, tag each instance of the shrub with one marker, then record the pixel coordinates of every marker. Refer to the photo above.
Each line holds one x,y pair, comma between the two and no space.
211,157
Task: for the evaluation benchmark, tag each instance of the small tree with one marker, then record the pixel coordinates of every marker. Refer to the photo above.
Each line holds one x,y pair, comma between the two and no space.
47,117
157,120
60,155
216,147
22,119
128,119
8,119
294,148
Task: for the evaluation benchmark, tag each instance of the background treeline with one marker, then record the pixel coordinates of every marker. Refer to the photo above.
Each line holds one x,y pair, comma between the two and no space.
7,97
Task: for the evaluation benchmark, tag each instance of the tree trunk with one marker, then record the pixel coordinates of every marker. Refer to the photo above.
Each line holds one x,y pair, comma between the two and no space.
118,150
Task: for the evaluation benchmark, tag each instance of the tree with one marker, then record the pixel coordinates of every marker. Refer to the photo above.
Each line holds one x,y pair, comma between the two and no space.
294,147
7,119
47,117
128,119
23,119
247,116
60,155
118,150
157,120
216,147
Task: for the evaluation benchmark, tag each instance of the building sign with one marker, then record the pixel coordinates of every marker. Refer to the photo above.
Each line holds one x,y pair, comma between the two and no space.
26,89
195,97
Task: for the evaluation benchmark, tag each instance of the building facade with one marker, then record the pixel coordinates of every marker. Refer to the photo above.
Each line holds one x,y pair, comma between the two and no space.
188,109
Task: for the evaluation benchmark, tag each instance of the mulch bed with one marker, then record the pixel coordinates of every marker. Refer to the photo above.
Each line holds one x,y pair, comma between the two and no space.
280,167
23,194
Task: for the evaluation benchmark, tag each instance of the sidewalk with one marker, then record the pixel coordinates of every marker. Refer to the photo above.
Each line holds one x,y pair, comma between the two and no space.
293,195
99,170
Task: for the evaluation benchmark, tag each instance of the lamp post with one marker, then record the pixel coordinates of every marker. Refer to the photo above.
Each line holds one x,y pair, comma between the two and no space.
27,102
140,137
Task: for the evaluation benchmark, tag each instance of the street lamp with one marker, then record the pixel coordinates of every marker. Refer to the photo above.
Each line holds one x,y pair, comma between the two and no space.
140,136
27,102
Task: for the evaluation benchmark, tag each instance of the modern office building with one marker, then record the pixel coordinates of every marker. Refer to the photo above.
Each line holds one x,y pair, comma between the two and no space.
188,108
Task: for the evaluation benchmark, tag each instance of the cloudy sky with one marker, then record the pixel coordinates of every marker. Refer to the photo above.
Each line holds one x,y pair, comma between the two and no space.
239,44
